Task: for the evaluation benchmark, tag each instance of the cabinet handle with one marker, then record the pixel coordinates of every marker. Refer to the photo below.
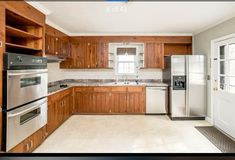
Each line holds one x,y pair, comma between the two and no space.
88,66
27,147
48,47
56,52
1,44
56,39
31,144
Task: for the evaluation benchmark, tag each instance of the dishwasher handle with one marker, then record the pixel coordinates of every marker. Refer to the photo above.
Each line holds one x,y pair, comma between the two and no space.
157,88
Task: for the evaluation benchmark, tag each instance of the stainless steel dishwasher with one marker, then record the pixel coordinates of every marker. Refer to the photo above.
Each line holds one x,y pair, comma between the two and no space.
156,100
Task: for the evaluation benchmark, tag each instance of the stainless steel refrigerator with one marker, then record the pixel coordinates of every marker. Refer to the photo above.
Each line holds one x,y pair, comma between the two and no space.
186,77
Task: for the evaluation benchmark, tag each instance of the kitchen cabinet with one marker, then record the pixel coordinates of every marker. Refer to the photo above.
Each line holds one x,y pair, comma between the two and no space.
87,55
109,100
91,55
91,52
102,55
31,143
177,49
154,55
136,100
60,108
57,43
23,28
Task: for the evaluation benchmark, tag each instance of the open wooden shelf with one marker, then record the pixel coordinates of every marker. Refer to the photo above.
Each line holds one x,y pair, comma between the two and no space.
14,32
19,19
17,46
23,35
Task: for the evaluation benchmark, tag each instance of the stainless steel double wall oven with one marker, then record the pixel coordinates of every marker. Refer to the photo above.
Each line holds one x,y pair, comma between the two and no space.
24,97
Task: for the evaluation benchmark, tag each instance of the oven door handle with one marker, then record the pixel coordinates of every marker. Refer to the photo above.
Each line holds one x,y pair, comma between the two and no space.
27,110
26,73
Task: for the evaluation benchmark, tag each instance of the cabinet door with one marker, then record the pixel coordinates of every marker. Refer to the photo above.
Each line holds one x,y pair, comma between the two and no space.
63,47
91,55
102,55
78,54
101,103
154,55
136,100
51,118
81,102
66,106
71,102
118,102
50,44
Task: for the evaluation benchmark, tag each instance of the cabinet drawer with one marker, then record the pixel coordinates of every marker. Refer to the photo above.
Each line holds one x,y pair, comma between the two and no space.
101,89
119,89
64,93
83,89
135,89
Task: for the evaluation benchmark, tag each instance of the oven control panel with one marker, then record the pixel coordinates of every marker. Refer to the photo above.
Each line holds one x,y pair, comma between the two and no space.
22,61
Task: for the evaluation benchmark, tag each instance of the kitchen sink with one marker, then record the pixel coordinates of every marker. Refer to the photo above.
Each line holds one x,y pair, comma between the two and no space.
126,83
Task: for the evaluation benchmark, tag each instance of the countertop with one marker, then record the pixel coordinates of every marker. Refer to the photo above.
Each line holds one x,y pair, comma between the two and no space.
73,84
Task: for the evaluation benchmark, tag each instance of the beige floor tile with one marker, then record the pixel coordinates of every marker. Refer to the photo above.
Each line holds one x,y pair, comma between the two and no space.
126,134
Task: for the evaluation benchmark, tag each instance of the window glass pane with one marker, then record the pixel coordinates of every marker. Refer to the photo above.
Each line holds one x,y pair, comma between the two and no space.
222,67
232,81
232,68
231,51
124,68
222,81
222,52
126,58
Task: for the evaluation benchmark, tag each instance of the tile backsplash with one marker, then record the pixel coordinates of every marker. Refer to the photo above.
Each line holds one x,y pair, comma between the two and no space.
55,73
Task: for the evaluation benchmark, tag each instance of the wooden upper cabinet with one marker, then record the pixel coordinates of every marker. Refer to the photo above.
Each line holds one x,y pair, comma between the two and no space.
50,44
102,55
177,49
56,42
154,55
91,55
78,53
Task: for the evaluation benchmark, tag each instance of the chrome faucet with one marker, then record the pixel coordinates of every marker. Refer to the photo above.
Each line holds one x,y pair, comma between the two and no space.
125,80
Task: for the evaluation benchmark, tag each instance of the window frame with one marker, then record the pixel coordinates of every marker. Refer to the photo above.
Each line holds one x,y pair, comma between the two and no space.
226,74
136,63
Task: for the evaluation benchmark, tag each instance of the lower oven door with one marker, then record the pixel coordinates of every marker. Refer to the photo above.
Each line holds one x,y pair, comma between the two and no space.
24,86
24,121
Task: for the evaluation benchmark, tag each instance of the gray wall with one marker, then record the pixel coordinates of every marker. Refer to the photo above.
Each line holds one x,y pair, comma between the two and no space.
202,45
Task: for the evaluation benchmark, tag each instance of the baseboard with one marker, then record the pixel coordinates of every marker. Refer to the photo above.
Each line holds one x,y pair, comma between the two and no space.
208,119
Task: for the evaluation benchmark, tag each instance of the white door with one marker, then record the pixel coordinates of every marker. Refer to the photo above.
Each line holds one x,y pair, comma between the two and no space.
224,86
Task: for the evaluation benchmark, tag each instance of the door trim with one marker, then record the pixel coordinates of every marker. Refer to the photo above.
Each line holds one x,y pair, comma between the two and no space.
211,66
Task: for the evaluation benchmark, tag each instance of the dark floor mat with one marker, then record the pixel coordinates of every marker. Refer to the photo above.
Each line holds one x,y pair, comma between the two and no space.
219,139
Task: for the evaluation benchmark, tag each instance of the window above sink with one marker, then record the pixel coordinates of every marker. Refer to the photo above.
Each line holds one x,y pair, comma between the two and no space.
126,58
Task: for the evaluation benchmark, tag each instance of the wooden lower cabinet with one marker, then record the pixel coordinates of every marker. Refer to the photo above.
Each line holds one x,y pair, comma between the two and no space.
109,100
136,100
60,108
30,143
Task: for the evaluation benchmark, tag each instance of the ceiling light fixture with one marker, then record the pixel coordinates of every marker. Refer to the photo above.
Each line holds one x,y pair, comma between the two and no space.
115,7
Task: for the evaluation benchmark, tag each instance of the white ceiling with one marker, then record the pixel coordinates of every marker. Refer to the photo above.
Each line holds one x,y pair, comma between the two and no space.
92,18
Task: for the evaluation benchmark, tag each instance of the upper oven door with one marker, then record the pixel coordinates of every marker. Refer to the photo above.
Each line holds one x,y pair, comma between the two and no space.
24,86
